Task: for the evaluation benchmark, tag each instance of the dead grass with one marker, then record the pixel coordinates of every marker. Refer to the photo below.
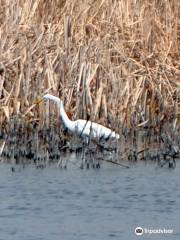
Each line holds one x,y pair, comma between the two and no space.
115,62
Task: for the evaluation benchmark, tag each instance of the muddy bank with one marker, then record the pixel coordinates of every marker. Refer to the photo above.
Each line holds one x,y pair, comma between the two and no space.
31,143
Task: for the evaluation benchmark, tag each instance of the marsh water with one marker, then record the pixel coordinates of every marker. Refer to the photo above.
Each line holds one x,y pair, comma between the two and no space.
75,204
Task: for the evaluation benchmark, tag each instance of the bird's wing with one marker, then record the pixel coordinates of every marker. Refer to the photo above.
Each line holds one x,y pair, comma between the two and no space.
101,131
82,127
88,128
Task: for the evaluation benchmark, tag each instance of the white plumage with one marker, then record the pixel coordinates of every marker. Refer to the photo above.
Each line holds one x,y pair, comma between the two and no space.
82,127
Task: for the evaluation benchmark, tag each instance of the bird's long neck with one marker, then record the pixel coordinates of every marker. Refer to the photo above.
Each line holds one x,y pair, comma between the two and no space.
67,122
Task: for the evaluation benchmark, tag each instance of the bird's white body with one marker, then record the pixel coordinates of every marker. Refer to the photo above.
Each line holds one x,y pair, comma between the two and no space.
95,130
83,127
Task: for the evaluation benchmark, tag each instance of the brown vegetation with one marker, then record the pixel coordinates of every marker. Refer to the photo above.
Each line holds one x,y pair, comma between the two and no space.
115,62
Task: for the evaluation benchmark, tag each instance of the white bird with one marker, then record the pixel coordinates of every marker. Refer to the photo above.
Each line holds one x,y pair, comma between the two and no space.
82,127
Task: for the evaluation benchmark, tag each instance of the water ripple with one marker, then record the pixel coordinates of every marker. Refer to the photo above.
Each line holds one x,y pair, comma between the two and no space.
78,205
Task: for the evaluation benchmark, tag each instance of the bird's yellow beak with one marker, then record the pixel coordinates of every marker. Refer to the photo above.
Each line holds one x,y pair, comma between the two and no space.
38,100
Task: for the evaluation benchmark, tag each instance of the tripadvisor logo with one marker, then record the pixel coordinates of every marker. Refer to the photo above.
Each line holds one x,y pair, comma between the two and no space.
139,231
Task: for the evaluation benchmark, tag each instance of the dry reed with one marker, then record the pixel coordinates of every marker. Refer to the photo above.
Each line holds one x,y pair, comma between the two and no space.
115,62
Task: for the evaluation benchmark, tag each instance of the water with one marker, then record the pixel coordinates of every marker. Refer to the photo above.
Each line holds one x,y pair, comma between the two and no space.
76,204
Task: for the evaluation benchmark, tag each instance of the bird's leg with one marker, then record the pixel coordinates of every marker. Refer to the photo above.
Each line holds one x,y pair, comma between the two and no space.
92,159
59,164
83,158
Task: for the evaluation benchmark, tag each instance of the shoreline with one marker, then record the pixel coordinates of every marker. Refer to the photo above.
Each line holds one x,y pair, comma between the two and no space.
34,144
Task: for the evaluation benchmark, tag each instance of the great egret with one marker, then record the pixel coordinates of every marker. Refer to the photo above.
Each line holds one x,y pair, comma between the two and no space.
82,127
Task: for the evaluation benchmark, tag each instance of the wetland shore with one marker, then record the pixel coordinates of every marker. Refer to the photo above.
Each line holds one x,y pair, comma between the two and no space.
112,62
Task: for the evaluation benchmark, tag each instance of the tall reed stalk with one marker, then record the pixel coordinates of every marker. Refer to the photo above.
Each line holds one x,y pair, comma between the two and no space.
115,62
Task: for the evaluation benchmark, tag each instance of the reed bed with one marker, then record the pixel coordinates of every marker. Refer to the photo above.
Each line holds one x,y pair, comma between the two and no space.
113,62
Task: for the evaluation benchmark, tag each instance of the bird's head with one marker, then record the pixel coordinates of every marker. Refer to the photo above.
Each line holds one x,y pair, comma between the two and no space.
51,98
48,97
